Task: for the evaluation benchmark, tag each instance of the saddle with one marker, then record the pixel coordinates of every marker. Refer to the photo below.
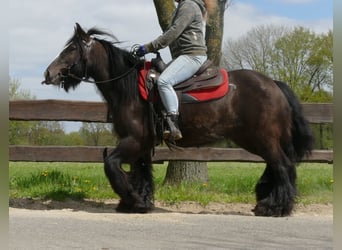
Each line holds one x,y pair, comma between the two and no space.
207,76
209,82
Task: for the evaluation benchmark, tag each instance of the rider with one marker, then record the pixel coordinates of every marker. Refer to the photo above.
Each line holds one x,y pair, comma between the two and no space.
185,38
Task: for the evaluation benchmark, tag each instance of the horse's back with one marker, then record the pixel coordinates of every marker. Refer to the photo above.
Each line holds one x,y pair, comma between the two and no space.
257,89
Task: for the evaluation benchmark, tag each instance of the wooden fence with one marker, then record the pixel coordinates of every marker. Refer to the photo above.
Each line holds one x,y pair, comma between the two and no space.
59,110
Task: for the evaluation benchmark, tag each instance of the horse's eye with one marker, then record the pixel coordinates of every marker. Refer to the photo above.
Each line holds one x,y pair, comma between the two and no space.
72,47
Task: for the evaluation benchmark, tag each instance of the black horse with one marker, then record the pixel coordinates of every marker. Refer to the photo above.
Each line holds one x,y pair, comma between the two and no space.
261,115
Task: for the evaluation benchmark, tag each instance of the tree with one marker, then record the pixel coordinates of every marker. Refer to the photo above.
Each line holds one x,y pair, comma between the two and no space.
304,61
18,130
297,56
32,132
46,133
254,49
96,134
214,23
15,93
73,139
179,171
214,29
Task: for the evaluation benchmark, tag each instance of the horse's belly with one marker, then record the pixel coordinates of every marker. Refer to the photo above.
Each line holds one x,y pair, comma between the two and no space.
201,134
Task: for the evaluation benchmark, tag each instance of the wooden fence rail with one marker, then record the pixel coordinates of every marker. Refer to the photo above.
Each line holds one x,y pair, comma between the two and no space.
94,154
58,110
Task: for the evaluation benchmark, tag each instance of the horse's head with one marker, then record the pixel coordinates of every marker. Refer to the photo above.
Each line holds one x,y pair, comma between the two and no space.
69,67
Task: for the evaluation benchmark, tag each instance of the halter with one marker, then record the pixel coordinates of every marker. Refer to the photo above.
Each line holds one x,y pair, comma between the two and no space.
86,78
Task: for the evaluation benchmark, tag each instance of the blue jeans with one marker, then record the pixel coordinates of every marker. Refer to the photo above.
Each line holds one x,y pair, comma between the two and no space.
179,70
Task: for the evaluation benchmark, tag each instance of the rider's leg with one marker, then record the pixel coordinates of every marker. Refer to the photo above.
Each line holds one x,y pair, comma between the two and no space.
181,69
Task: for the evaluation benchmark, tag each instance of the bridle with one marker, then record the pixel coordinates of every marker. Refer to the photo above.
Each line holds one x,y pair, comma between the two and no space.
86,79
84,61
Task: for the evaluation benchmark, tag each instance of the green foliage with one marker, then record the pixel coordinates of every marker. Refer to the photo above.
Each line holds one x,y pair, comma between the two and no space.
18,132
297,56
36,133
97,134
46,133
228,182
73,139
32,132
254,49
15,93
304,60
52,132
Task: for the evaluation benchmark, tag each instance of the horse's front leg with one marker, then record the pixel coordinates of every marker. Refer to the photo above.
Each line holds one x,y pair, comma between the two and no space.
142,179
121,182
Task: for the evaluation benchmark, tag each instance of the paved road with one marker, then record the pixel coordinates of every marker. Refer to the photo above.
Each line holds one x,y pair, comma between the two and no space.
67,229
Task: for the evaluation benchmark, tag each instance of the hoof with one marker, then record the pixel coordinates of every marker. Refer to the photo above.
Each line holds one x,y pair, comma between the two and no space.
262,209
123,207
141,209
137,207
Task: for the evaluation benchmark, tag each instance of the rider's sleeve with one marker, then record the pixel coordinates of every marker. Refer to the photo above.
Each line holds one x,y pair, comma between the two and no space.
182,19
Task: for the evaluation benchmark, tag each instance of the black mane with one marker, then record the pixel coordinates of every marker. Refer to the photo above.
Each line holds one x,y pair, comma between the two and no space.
120,62
94,32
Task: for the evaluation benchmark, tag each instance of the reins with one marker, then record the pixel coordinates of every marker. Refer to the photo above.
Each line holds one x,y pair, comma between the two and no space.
86,79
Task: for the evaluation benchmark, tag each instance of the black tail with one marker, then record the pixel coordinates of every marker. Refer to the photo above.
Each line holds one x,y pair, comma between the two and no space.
302,136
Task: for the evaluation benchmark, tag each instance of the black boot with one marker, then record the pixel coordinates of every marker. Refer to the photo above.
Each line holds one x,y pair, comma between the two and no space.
173,132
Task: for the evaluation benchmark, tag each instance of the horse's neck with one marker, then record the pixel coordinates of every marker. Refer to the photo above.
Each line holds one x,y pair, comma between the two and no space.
99,71
114,77
103,61
116,94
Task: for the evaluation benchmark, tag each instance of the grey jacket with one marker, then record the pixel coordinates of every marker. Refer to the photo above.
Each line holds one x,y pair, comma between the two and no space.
185,35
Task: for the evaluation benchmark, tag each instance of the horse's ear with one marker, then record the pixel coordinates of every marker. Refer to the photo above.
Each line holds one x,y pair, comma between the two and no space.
80,32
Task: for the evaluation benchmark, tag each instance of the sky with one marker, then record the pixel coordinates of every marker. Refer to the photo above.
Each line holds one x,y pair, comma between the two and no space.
40,28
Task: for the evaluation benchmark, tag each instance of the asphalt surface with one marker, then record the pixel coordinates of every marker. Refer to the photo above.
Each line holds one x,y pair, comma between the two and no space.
68,229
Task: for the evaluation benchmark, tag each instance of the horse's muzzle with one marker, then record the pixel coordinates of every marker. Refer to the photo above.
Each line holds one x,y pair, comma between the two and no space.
47,77
45,82
55,80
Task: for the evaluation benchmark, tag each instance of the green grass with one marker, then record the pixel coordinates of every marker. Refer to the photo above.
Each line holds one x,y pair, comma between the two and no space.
228,182
58,181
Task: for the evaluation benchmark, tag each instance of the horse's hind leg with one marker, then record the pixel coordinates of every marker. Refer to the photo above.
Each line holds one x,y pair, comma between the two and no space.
120,182
276,189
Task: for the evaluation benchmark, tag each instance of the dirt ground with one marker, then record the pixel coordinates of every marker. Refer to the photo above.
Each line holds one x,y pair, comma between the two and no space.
108,206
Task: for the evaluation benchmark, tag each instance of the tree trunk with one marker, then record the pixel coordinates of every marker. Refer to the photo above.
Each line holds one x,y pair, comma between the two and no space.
214,27
214,32
182,171
186,172
164,10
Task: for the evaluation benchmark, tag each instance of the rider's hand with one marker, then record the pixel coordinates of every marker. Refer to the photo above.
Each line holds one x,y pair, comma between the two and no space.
141,51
